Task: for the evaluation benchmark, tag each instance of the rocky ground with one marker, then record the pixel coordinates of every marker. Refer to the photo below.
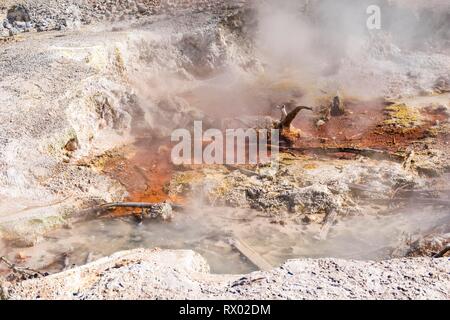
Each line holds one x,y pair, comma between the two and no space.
82,109
82,82
39,16
156,274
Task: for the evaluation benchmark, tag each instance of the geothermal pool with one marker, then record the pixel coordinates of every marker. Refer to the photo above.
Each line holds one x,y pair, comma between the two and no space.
208,230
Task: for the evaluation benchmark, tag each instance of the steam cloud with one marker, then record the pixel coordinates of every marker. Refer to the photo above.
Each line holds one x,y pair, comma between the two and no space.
313,39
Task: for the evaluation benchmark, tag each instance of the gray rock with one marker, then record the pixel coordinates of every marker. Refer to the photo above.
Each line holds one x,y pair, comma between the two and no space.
141,8
18,13
312,200
160,210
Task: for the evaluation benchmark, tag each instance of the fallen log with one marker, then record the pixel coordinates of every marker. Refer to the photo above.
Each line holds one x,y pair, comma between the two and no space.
98,211
441,253
139,205
250,254
367,152
162,210
329,221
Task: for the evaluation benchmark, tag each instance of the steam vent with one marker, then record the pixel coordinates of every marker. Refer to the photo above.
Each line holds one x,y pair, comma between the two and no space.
194,149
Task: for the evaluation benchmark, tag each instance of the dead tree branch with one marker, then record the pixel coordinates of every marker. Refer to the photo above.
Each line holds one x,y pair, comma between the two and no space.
287,118
25,271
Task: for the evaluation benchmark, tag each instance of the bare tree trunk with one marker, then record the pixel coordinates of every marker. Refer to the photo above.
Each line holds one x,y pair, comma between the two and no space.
337,107
287,118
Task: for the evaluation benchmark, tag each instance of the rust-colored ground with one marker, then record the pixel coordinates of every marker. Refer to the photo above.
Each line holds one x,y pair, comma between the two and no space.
144,171
146,168
363,127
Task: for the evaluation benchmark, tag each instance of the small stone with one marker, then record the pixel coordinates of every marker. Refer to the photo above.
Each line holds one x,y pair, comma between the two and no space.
72,145
320,123
161,210
141,8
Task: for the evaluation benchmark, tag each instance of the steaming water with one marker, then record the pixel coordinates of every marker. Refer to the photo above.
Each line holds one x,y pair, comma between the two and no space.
207,230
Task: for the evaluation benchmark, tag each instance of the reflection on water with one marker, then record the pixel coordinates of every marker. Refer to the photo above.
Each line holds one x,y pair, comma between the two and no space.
207,230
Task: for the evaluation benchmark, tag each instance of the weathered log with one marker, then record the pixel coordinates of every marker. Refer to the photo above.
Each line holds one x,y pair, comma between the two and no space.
441,253
139,205
367,152
329,221
99,210
250,254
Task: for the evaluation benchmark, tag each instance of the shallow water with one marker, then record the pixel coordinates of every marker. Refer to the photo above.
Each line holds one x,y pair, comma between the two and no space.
207,231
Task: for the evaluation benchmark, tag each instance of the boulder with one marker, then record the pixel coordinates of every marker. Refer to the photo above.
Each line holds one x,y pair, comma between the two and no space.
18,13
